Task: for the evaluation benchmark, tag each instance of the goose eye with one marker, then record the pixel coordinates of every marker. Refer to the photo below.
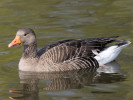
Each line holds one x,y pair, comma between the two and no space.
25,34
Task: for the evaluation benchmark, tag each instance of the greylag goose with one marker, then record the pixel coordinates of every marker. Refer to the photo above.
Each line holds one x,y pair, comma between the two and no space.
66,55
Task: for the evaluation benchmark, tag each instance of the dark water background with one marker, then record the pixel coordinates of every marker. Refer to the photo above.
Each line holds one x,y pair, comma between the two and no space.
53,20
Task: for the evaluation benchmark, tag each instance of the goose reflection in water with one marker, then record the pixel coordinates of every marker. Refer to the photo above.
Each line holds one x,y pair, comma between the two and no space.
75,79
112,67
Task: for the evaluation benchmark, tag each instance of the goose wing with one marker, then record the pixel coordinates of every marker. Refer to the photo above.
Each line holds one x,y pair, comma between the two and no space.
67,49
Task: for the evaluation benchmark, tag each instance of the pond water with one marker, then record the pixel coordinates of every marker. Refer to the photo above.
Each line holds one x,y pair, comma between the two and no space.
64,19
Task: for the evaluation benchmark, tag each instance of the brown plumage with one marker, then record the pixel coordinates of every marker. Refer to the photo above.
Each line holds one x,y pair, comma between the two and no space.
61,56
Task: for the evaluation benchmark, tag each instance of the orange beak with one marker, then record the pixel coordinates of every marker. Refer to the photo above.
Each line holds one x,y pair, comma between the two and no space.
16,41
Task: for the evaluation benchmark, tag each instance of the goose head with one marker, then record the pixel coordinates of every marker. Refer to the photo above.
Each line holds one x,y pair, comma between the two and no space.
24,36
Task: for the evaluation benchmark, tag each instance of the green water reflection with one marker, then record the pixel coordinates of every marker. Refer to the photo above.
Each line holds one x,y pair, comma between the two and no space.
64,19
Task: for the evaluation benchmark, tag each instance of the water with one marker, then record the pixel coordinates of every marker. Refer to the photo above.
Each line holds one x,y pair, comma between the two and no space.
65,19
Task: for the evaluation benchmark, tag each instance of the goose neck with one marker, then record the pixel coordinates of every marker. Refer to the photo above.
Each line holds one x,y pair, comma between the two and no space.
30,51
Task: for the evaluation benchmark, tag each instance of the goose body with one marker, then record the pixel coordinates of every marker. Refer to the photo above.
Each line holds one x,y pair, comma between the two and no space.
65,55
